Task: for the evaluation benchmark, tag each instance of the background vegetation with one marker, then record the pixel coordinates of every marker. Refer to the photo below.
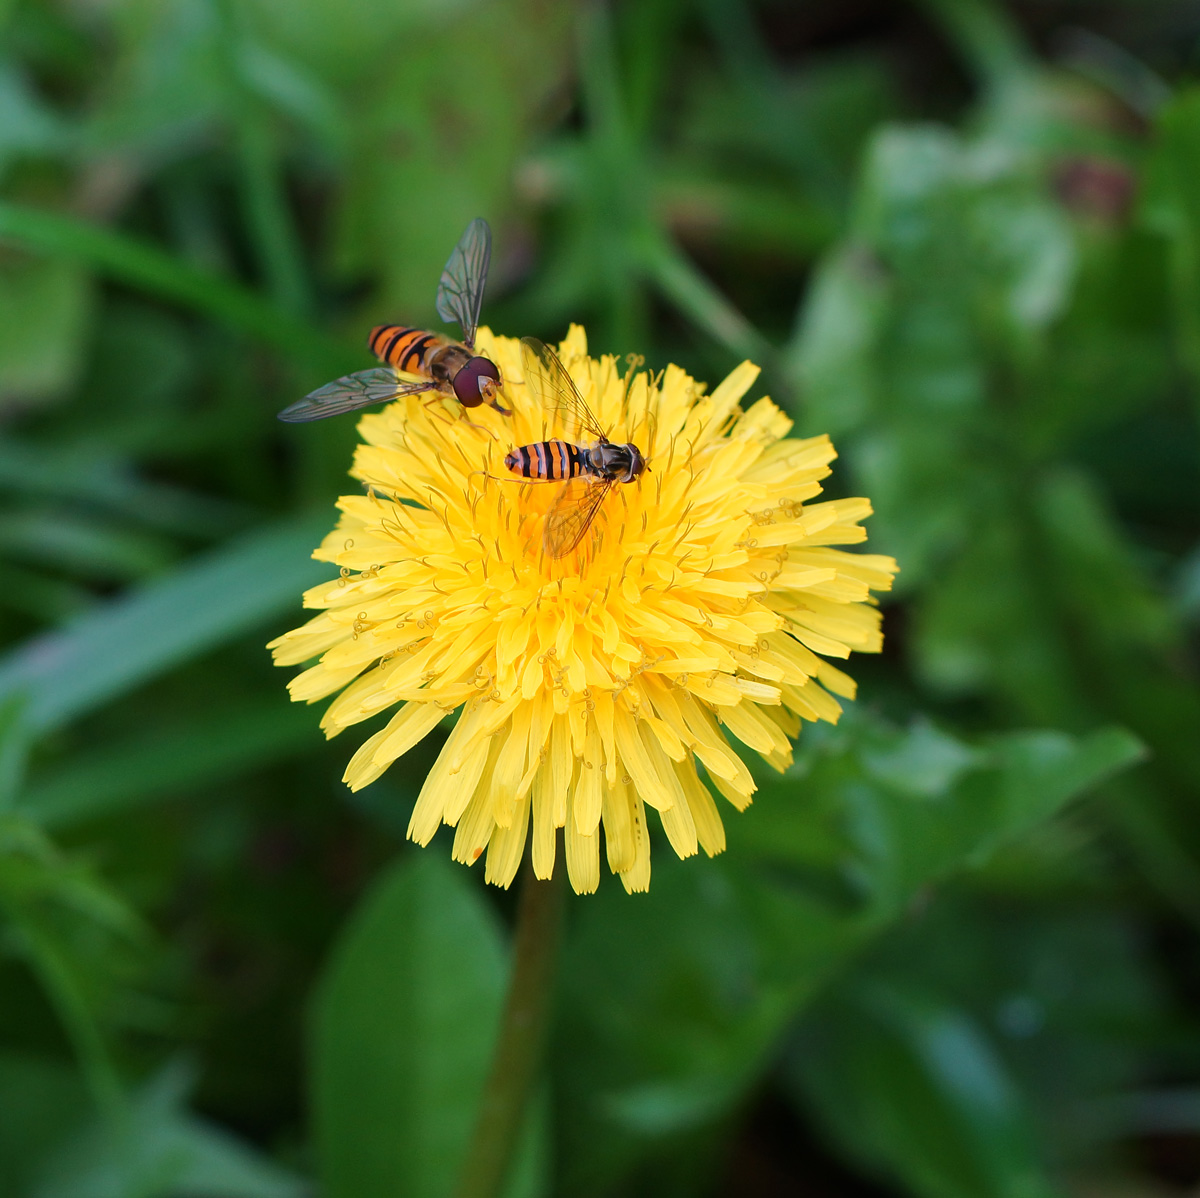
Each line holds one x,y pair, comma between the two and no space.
954,952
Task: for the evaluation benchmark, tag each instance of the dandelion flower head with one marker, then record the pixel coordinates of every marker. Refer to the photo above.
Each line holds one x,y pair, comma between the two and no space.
705,604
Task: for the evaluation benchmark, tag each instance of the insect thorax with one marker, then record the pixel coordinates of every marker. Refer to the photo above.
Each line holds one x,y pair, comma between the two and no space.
447,360
616,463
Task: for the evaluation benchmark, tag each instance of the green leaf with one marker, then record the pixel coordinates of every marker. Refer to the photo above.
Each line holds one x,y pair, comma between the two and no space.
96,476
161,1150
893,810
27,125
1058,614
166,91
405,195
955,272
82,545
14,749
73,930
965,1053
36,295
913,1086
833,351
142,265
670,1004
41,1101
987,623
140,636
403,1027
987,38
195,753
916,1087
1172,207
1187,587
681,283
34,873
673,1004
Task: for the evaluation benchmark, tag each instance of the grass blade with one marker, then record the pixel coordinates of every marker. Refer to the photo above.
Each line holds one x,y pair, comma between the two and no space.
130,261
127,642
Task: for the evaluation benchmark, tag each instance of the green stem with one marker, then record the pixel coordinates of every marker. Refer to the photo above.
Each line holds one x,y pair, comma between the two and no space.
78,1021
617,175
520,1041
760,88
680,282
264,194
985,36
267,213
14,749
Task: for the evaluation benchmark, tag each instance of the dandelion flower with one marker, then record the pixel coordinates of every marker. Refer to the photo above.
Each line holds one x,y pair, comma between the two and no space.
704,604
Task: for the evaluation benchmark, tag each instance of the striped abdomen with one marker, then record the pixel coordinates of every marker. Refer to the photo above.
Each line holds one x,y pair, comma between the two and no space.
549,459
405,349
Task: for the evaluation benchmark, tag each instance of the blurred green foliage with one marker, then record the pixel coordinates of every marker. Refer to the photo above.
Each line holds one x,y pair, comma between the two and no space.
953,952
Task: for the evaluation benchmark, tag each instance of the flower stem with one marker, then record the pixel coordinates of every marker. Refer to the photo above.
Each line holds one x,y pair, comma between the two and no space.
520,1039
986,37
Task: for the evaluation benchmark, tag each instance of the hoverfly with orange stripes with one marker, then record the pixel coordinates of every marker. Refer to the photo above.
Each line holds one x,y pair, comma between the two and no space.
450,368
589,471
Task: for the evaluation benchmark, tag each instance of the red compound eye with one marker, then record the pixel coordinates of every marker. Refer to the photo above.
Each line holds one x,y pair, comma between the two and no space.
467,381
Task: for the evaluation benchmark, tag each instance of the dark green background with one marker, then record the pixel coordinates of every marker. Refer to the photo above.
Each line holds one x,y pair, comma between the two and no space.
953,952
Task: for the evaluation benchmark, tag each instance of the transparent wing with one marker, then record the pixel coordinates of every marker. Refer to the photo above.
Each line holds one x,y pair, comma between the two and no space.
460,293
571,516
350,392
553,387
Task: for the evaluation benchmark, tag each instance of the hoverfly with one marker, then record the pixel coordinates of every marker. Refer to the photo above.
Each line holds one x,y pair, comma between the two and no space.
589,471
448,367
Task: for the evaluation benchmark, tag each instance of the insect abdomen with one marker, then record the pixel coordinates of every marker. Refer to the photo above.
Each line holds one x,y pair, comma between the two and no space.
402,347
548,460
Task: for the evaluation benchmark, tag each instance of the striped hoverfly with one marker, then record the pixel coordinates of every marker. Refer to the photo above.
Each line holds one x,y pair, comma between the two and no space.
588,471
449,368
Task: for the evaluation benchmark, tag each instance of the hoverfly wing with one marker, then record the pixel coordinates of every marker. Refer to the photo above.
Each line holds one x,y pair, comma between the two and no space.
553,387
460,292
350,392
572,514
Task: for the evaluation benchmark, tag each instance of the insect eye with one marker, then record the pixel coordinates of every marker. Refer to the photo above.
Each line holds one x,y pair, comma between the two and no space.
470,382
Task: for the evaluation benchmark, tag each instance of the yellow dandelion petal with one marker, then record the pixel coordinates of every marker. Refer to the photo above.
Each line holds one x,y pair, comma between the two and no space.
636,879
588,792
699,611
583,859
544,828
412,723
449,780
617,819
710,832
507,846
